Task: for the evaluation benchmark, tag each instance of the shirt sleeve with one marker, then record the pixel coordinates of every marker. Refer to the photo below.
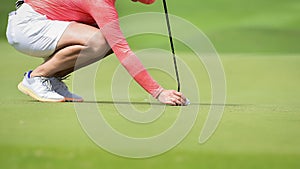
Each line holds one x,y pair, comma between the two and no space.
106,17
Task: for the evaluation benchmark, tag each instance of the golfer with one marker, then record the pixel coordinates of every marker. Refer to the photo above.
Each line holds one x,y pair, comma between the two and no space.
66,33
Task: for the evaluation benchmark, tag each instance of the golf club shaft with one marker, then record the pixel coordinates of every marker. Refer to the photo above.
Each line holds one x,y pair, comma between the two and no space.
172,44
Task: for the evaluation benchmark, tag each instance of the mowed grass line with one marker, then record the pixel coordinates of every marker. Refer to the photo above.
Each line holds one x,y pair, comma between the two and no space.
259,128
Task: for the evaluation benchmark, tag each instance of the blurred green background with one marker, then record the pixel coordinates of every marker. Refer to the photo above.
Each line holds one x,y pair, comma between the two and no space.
233,25
258,43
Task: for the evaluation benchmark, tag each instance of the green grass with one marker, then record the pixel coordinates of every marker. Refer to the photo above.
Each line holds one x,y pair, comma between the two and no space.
241,26
236,25
259,46
259,129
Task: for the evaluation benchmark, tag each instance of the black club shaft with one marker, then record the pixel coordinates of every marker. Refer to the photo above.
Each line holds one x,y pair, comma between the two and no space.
172,44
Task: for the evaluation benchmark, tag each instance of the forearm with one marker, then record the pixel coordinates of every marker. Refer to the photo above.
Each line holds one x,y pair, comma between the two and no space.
136,69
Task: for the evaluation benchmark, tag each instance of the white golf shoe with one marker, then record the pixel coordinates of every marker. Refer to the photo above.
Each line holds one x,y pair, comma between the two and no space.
39,88
61,88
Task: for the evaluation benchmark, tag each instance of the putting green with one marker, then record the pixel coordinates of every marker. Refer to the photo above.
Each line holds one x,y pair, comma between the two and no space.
259,129
259,46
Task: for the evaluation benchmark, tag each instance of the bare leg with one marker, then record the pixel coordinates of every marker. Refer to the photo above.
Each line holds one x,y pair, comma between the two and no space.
64,73
80,45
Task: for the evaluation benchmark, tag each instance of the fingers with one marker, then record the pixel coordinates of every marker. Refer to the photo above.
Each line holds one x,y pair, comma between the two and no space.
181,99
170,102
172,97
177,98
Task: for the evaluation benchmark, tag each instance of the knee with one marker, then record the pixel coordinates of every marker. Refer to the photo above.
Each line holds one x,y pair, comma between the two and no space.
97,45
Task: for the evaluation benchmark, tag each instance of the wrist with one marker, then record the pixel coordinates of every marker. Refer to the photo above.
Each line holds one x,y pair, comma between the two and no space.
157,93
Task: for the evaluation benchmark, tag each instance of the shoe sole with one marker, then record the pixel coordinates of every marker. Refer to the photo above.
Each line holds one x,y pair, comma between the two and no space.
28,92
67,99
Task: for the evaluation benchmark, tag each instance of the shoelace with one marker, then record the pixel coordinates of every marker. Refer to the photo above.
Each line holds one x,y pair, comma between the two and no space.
46,82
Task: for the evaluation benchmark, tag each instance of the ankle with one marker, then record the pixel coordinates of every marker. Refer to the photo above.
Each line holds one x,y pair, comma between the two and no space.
36,73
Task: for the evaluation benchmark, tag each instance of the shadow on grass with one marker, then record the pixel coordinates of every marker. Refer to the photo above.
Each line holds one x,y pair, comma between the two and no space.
156,103
140,103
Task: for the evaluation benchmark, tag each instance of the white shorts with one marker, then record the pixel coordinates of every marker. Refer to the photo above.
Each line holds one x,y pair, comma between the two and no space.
32,33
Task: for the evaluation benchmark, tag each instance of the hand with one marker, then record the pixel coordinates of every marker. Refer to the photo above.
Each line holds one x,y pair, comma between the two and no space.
172,97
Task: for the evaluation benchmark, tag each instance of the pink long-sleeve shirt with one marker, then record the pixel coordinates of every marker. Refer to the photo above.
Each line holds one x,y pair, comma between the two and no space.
104,14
